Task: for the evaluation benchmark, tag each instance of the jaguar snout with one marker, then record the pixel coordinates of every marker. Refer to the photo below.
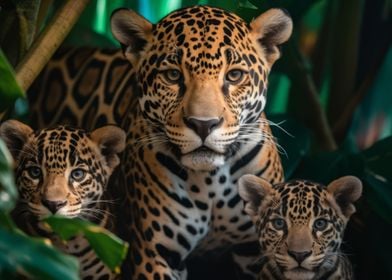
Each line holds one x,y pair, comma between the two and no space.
53,205
203,127
299,256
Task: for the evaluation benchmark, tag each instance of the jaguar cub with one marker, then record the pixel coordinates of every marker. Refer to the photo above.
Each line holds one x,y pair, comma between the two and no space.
65,171
300,226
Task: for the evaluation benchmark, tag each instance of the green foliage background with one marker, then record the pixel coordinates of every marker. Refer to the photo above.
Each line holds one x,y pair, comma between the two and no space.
331,91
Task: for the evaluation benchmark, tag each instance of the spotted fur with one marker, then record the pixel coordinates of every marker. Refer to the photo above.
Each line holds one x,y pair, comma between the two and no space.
65,171
300,226
190,94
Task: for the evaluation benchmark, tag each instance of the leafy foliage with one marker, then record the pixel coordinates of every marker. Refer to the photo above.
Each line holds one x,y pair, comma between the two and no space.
315,87
109,248
22,255
9,88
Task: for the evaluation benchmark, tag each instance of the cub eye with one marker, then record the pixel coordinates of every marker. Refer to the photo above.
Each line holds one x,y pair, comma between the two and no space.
234,76
320,224
278,223
78,174
172,75
34,172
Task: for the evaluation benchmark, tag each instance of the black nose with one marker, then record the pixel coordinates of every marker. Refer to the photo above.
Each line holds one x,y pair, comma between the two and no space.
201,127
299,256
53,205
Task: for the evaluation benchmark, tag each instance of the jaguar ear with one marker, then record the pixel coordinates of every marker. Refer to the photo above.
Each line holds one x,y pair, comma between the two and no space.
253,190
272,29
131,30
15,134
346,190
111,141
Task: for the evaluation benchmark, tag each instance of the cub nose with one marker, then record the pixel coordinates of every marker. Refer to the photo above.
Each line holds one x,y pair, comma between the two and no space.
299,256
53,205
203,127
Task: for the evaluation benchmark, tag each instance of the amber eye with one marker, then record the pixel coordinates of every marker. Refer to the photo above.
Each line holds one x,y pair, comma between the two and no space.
278,223
235,76
34,172
78,174
172,75
320,224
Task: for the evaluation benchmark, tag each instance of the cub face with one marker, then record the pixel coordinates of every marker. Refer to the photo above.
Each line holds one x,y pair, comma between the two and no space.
62,170
300,223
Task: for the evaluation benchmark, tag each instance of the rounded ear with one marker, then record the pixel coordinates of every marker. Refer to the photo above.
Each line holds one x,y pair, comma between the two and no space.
346,190
15,134
253,190
131,30
111,141
271,29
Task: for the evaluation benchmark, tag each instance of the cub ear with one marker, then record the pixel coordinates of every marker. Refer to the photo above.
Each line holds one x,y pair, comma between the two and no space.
272,29
253,190
111,141
346,190
131,30
15,134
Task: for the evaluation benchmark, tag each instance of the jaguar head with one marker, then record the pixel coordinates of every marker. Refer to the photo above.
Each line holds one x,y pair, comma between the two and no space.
62,170
202,75
300,224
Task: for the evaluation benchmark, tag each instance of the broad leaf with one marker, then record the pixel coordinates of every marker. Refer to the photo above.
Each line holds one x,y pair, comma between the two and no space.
33,258
9,88
8,192
108,247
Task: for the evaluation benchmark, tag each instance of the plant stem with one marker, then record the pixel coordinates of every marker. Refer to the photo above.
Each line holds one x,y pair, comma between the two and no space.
344,57
306,103
48,42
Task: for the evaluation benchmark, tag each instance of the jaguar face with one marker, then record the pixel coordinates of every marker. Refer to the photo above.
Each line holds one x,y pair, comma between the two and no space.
300,223
62,170
202,74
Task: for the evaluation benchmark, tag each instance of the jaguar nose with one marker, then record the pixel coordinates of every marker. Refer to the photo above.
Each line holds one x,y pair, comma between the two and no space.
53,205
203,128
299,256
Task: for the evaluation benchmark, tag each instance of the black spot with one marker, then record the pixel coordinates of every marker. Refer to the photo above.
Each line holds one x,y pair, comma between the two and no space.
201,205
234,201
222,179
168,232
172,257
183,242
191,229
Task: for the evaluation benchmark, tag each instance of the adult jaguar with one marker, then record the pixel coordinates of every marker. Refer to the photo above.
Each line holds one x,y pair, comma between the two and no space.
300,226
191,98
65,171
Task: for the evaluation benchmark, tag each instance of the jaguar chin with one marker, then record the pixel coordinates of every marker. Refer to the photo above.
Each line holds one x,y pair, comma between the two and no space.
299,274
203,159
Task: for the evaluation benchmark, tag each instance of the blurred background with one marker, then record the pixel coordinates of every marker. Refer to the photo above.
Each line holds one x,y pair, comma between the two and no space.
329,97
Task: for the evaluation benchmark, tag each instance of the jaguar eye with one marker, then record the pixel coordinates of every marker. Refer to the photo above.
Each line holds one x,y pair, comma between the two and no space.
234,76
320,224
278,223
34,172
172,75
78,174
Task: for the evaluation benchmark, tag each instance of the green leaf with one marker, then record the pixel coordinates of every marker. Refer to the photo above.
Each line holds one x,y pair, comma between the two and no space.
378,158
379,195
293,139
8,191
246,4
378,176
33,258
108,247
9,87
